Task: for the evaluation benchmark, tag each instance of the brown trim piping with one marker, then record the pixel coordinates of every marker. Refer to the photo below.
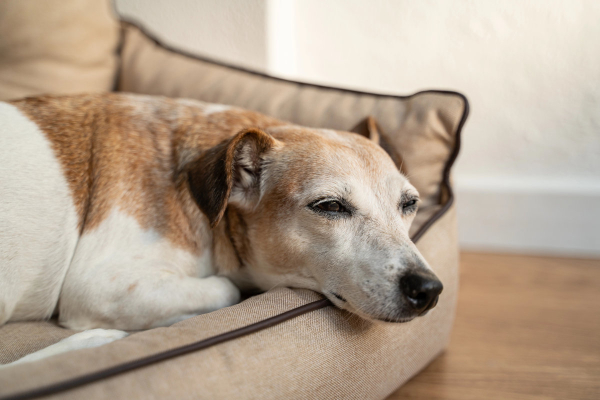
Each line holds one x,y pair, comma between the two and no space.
449,163
446,174
168,354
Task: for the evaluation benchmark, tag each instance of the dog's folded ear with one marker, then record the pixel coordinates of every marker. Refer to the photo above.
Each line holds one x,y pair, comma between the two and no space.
230,171
370,129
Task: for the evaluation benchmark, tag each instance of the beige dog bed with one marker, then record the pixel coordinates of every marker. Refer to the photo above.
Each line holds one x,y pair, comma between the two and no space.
318,351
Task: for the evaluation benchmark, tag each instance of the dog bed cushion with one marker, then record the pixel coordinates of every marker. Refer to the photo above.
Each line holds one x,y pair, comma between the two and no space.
324,354
56,46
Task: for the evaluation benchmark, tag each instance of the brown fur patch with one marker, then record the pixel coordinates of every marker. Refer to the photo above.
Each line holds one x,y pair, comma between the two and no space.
128,151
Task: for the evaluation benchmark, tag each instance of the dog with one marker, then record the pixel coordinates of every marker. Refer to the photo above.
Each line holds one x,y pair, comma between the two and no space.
128,212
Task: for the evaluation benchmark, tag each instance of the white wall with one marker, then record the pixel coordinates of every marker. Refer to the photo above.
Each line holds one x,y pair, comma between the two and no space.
232,30
528,178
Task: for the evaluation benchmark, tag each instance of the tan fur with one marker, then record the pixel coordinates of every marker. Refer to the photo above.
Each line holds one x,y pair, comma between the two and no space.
126,151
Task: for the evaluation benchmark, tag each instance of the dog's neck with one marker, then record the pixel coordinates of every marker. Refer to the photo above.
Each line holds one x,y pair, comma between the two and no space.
190,138
231,249
228,245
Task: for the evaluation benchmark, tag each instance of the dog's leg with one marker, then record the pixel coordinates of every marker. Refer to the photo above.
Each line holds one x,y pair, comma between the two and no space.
81,340
156,299
188,297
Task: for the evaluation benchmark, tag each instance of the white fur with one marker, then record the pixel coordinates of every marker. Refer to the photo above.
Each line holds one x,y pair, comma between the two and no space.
38,221
146,105
81,340
207,108
215,108
125,277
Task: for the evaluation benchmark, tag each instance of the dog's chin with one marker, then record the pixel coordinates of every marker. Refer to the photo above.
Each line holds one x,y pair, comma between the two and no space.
391,319
344,304
398,320
386,319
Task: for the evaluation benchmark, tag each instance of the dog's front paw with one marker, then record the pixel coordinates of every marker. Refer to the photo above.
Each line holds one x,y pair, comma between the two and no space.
223,292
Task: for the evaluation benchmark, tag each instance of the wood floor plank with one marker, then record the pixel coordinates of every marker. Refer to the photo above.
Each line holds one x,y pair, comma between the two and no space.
526,328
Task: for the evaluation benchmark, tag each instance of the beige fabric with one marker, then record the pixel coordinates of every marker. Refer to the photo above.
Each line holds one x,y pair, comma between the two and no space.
325,354
56,46
18,339
422,126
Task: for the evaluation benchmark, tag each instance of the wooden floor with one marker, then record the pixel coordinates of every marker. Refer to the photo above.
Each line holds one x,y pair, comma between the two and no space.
526,328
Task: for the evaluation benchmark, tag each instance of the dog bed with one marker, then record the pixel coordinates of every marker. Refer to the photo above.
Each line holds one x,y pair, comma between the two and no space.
316,351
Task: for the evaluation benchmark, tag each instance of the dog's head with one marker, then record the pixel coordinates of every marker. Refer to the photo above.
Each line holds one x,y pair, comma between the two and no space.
319,209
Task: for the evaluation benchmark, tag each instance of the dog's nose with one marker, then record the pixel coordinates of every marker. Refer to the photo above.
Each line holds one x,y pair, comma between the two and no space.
421,290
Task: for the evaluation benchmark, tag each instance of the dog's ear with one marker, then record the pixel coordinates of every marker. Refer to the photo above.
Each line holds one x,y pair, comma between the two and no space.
230,171
369,128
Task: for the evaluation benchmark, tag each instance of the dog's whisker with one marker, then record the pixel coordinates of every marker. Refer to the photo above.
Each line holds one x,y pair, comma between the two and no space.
281,282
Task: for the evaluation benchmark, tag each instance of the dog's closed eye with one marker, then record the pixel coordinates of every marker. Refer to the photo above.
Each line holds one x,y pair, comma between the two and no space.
409,205
331,208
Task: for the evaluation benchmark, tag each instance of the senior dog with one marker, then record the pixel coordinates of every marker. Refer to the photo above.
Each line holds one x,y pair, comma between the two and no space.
127,212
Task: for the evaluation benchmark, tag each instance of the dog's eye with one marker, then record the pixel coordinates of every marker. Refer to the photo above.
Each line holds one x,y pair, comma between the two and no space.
330,206
409,206
409,203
